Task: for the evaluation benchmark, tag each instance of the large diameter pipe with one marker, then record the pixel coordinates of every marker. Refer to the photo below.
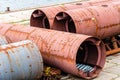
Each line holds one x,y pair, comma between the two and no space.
99,21
44,17
62,50
20,61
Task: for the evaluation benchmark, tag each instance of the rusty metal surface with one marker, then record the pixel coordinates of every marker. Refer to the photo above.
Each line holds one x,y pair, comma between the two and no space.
99,21
112,45
44,17
62,50
4,40
20,61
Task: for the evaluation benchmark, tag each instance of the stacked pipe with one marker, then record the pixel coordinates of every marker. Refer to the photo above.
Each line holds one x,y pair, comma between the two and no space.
90,21
19,61
44,17
76,54
101,21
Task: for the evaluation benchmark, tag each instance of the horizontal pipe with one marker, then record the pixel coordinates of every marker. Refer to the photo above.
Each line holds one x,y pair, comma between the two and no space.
20,61
44,17
99,21
60,49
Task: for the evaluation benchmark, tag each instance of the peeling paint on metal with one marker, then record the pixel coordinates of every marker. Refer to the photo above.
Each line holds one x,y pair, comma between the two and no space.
15,64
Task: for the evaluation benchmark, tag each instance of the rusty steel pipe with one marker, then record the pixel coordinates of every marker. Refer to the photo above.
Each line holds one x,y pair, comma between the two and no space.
99,21
20,61
44,17
62,50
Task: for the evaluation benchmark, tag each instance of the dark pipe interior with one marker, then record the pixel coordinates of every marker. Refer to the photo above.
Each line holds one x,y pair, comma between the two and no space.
39,19
59,22
87,55
70,26
46,23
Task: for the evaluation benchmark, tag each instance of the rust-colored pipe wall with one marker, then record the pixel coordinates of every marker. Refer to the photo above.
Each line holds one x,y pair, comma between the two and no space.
61,49
99,21
44,17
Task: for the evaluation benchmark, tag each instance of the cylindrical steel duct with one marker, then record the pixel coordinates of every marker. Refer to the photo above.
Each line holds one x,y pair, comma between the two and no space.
63,50
4,40
20,61
99,21
44,17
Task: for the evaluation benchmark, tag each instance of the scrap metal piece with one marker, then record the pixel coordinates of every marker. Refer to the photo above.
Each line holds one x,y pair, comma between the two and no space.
20,61
113,46
61,49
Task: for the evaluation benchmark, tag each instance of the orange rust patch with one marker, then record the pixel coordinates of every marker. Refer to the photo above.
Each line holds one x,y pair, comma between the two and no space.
58,57
109,26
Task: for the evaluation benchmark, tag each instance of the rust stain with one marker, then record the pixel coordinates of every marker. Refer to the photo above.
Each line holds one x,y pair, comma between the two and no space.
8,29
58,57
109,26
94,19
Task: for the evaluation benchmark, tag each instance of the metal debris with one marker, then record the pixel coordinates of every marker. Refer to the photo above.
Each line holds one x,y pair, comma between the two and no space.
112,44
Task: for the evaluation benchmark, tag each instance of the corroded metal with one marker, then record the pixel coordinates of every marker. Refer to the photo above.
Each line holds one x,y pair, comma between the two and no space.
62,50
4,40
112,45
44,17
99,21
20,61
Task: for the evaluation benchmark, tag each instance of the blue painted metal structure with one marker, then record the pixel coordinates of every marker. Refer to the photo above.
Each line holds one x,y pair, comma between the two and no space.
4,40
20,60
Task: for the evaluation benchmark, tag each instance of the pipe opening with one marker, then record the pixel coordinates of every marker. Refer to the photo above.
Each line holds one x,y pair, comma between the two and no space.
70,26
78,3
87,58
59,21
46,23
39,19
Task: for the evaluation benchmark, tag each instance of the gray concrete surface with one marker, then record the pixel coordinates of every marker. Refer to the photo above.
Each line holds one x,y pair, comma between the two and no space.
27,4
